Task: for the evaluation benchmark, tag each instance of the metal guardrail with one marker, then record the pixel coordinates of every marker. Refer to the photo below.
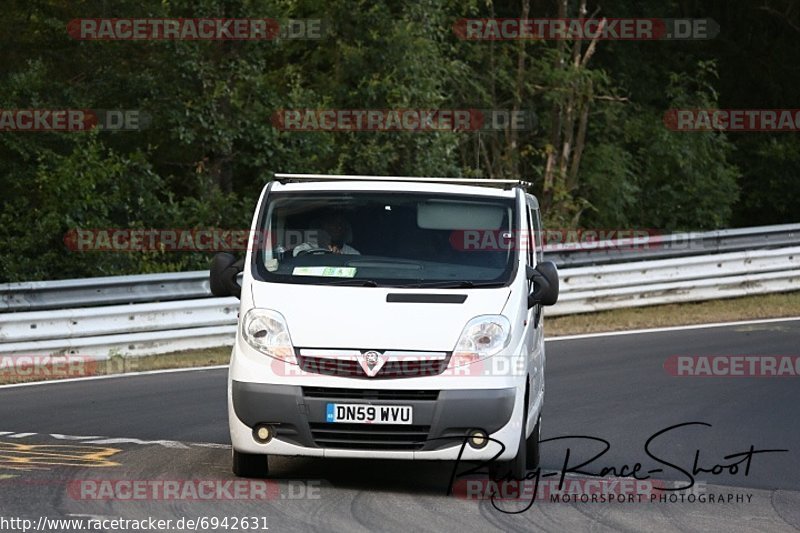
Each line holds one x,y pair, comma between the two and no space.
109,290
112,290
676,292
707,277
160,313
102,347
673,245
117,319
139,329
713,267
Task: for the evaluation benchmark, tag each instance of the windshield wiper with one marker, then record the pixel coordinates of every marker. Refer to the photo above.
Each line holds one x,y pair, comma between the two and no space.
354,283
454,284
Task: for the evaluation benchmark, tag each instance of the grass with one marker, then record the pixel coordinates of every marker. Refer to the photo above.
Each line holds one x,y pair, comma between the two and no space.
123,365
729,310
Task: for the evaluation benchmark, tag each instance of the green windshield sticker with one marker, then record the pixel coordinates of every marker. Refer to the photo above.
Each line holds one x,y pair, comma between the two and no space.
326,272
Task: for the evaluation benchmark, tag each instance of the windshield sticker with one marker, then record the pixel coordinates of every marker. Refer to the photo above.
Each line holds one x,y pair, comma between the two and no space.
326,272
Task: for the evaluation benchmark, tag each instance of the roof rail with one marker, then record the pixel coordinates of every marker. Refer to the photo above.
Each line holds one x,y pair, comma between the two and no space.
506,184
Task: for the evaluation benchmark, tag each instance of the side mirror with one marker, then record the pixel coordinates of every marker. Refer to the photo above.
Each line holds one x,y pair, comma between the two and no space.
224,270
545,284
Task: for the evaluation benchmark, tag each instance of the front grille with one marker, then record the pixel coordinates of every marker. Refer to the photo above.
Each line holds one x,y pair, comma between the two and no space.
369,394
330,367
399,368
369,437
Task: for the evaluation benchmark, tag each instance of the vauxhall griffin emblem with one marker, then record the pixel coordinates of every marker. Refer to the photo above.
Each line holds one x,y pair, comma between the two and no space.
371,362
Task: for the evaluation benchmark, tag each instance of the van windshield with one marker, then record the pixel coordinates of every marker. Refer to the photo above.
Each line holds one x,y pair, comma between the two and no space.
386,239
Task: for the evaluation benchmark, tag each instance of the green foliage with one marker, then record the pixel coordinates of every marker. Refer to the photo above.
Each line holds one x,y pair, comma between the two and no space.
686,178
771,189
211,146
652,177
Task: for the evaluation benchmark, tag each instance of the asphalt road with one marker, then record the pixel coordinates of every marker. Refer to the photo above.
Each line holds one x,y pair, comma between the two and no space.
173,426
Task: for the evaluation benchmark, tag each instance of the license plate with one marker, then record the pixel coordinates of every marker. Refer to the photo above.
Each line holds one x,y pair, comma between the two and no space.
369,414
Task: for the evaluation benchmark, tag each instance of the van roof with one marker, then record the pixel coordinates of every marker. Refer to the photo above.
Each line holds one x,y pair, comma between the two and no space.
474,186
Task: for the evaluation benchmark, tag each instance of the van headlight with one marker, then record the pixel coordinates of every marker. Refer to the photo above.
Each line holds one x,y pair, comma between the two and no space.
482,337
266,331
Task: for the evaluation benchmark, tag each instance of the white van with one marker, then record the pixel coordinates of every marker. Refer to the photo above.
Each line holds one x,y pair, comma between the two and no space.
391,318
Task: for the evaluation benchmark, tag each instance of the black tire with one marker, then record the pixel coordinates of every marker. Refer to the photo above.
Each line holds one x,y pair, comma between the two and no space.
532,445
252,465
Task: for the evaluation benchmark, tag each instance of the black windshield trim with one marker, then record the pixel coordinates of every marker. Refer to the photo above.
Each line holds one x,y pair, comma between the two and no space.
394,297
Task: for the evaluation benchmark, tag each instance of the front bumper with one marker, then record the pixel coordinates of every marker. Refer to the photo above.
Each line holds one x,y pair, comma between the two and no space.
442,420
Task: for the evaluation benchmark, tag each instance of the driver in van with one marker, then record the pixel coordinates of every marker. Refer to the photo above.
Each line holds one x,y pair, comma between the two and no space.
331,237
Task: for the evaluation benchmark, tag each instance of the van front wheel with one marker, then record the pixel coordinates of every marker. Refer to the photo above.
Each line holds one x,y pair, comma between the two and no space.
252,465
517,467
532,445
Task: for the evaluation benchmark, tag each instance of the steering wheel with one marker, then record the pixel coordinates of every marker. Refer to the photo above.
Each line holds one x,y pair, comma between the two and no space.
314,251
